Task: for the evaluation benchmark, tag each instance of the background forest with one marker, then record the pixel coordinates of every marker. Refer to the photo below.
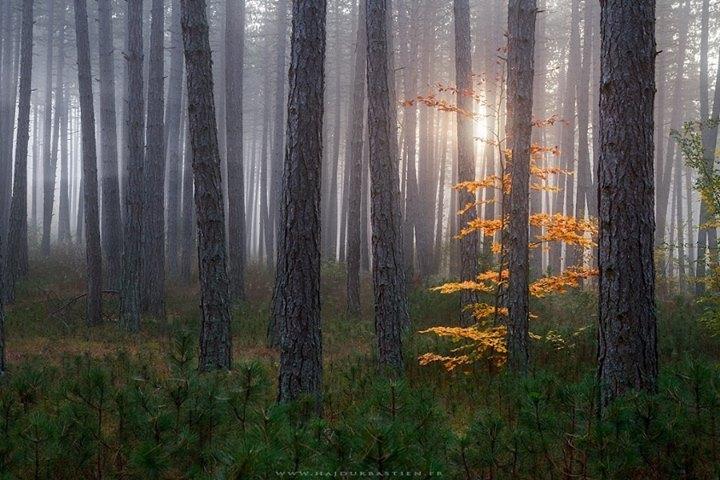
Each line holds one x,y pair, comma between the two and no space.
256,239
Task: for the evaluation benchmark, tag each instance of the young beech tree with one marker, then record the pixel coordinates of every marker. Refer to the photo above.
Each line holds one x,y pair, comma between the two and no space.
215,341
520,70
297,280
627,334
389,289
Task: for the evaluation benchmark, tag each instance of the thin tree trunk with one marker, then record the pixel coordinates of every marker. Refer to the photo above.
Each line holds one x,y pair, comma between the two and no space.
234,51
389,288
355,165
91,214
215,340
520,64
173,133
48,171
627,335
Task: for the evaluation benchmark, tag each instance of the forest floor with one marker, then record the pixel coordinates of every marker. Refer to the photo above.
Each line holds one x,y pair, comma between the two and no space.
476,422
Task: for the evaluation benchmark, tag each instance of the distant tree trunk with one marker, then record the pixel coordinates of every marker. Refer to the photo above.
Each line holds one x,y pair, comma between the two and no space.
215,341
234,51
153,233
627,335
35,168
18,238
48,171
187,243
585,202
277,144
64,194
173,118
567,135
111,218
297,281
91,214
466,151
132,243
520,65
355,165
391,313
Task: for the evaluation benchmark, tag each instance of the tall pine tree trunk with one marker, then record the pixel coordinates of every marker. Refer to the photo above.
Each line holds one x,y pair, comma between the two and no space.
234,48
111,219
520,65
132,243
627,334
18,238
215,341
466,151
298,278
89,156
154,211
389,288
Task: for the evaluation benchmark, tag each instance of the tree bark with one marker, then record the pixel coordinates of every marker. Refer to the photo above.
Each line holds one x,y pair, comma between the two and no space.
48,171
215,341
298,278
520,65
627,335
18,237
389,289
355,164
153,233
466,152
234,51
111,219
89,154
132,243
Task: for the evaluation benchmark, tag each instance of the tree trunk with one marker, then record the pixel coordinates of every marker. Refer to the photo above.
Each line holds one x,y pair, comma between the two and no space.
298,278
215,341
154,211
627,335
173,117
520,64
234,48
355,164
389,289
91,214
466,152
111,219
18,237
132,243
48,171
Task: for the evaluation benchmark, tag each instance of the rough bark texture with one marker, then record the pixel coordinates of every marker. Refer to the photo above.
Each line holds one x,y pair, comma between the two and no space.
91,215
111,218
215,341
354,164
389,289
298,278
234,48
18,238
520,64
132,244
627,334
153,233
466,151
